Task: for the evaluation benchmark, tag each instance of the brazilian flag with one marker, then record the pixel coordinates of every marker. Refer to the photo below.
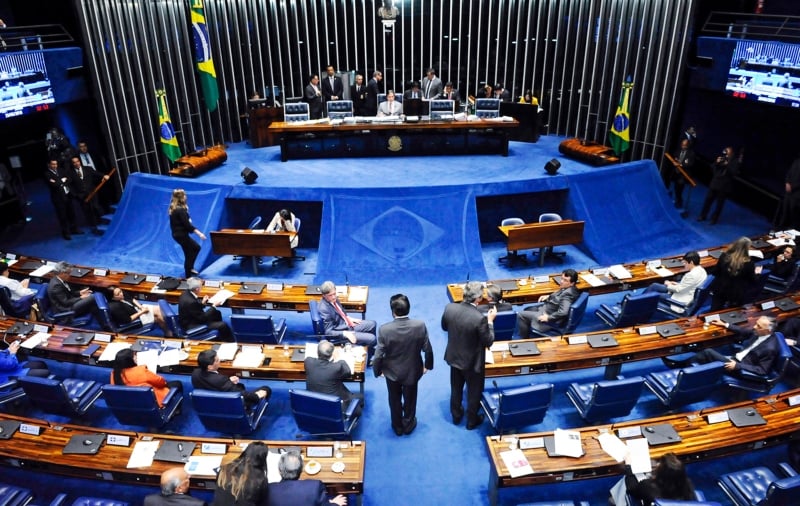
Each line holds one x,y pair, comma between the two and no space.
202,51
169,143
620,138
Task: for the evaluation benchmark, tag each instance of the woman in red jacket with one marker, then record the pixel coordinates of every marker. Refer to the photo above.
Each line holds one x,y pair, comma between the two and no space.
126,372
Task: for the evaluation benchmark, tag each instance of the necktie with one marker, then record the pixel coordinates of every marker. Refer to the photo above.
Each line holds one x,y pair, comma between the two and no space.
85,159
428,89
344,316
80,173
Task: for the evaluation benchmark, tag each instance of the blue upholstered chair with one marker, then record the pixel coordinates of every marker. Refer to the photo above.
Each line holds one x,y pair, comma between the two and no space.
296,111
322,414
759,486
199,333
71,397
674,502
678,387
555,502
139,406
10,391
512,257
248,328
631,310
674,309
442,109
338,109
763,383
227,412
605,399
576,312
514,408
50,316
254,223
18,309
317,325
63,500
505,324
775,284
547,251
134,327
487,108
11,495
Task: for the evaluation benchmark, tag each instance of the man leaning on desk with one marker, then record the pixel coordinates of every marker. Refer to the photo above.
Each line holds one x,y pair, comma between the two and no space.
552,310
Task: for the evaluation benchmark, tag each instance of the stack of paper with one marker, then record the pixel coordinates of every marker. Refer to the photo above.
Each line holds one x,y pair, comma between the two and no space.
663,272
35,340
111,350
516,463
227,351
592,279
357,293
41,271
148,359
568,443
220,297
142,454
619,272
249,357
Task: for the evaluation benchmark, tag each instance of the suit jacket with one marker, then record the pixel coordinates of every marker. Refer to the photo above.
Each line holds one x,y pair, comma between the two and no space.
61,296
332,321
121,312
396,108
436,88
209,380
327,377
81,187
297,493
191,312
557,305
172,500
468,334
398,353
327,91
505,96
684,290
723,175
59,189
409,94
453,95
141,376
760,359
359,100
688,157
373,89
314,102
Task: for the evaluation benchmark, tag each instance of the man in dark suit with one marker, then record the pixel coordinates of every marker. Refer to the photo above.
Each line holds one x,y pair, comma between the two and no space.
58,184
313,95
107,194
413,91
174,490
451,93
191,312
63,298
685,157
332,87
501,93
338,324
373,89
469,332
431,85
326,373
552,310
292,490
494,298
724,171
82,182
207,377
359,93
398,358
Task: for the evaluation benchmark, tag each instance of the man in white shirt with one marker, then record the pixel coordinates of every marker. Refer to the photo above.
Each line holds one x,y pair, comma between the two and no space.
19,289
682,291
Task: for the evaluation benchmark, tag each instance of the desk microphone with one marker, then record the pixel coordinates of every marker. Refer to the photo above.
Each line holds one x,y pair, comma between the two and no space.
346,280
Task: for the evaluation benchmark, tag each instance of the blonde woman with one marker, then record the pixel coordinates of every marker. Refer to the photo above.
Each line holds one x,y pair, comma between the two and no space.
181,225
243,481
734,274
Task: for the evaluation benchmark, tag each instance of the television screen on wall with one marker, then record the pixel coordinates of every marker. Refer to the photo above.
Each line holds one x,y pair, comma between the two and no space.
767,72
24,84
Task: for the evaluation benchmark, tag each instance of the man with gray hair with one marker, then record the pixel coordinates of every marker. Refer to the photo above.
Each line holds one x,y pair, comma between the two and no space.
174,490
338,324
63,298
191,312
292,490
326,373
469,332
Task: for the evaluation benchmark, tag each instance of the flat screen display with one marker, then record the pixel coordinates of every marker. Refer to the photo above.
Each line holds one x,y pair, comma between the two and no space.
24,85
767,72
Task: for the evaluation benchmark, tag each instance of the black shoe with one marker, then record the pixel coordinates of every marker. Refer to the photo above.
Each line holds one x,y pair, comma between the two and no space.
457,419
193,273
66,236
476,424
713,221
397,431
411,427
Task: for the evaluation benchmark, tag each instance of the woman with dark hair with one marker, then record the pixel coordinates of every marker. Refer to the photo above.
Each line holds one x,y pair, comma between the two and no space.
243,481
668,481
126,372
182,227
734,273
283,221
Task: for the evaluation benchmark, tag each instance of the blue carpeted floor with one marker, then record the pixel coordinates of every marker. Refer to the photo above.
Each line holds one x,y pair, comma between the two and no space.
439,463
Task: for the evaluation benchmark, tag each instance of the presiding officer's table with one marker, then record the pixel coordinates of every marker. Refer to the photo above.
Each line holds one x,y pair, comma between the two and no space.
391,138
252,243
542,235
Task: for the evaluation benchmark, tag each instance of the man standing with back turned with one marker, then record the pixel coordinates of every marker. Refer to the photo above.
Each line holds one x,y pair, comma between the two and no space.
397,358
469,332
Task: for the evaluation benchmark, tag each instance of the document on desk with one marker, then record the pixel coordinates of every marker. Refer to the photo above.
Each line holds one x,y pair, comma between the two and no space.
619,272
311,350
516,463
148,359
142,454
203,465
781,242
592,279
663,272
227,351
111,350
567,443
638,455
489,358
250,356
220,297
357,293
169,357
35,340
613,446
499,346
41,271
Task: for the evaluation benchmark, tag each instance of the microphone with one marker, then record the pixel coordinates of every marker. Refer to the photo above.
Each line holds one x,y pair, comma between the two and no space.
346,280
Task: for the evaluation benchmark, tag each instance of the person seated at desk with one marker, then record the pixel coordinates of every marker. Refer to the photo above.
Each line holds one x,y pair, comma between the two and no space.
125,310
192,314
450,93
413,92
552,310
494,298
501,93
338,324
667,481
292,490
283,221
682,291
327,372
21,294
781,266
390,107
760,348
207,377
485,92
11,368
126,372
63,298
528,98
174,490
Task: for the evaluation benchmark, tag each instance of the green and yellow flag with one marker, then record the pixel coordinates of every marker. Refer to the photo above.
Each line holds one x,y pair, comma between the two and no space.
202,51
169,143
620,138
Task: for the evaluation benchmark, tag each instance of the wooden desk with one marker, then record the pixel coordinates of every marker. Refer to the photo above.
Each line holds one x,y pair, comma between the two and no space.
348,139
255,244
700,441
542,235
42,453
258,120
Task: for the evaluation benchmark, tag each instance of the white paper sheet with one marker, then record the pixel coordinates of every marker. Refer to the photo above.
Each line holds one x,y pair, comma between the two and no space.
148,359
220,297
227,351
111,350
613,446
592,279
142,454
203,465
638,455
41,271
35,340
568,443
516,463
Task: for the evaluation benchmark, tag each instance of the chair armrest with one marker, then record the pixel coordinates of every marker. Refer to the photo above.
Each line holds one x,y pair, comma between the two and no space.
8,385
135,324
352,407
674,302
63,314
749,376
196,330
787,469
59,500
172,393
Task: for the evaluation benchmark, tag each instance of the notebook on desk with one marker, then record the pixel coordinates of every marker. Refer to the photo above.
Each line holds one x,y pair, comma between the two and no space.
786,304
601,340
733,317
760,243
313,290
508,285
8,428
78,339
669,330
31,265
85,444
174,451
672,263
251,288
660,434
299,355
78,272
745,417
20,328
132,279
523,349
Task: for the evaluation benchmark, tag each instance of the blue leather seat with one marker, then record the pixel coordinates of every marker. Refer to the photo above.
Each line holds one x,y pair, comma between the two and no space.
505,324
139,406
62,500
631,310
512,257
199,333
759,486
678,387
11,495
513,408
763,383
317,325
338,109
442,109
605,399
248,328
67,317
487,108
295,111
775,284
71,397
10,391
576,312
555,502
674,309
227,412
18,309
135,327
322,414
674,502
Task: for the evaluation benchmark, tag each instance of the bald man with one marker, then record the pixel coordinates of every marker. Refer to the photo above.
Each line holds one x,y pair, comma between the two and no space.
174,490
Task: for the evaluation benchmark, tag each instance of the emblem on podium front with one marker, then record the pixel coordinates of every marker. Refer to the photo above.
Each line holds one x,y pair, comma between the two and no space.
395,143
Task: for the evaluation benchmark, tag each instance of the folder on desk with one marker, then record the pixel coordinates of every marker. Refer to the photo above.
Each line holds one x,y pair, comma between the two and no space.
78,272
523,349
84,444
313,290
745,417
733,317
786,304
31,265
299,355
507,285
8,428
132,279
550,447
661,434
251,288
20,328
601,340
174,451
78,339
669,330
672,263
715,254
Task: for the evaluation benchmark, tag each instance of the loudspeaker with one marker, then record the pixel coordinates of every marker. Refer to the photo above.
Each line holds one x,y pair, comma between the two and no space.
249,175
552,166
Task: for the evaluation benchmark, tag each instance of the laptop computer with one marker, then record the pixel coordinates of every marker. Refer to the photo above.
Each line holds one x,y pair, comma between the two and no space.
523,349
251,288
313,290
660,434
786,304
21,328
78,339
299,355
78,272
601,340
733,317
508,285
132,279
672,263
174,451
8,428
669,330
745,417
86,444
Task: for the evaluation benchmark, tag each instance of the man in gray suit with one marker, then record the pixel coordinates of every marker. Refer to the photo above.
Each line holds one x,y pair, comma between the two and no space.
469,332
398,358
431,85
174,490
